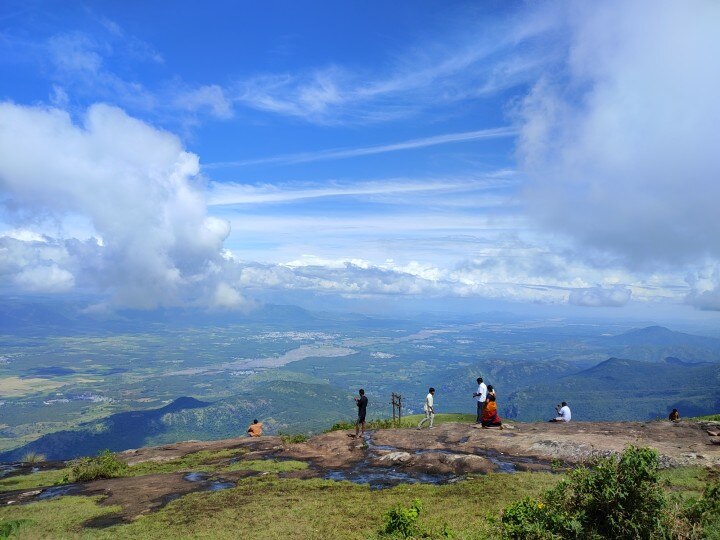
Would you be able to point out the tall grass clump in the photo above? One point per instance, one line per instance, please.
(33, 457)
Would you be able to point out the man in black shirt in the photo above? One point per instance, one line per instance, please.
(362, 402)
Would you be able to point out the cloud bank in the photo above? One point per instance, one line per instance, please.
(620, 141)
(153, 244)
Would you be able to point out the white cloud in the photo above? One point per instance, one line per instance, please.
(209, 98)
(135, 185)
(424, 142)
(705, 288)
(621, 142)
(47, 279)
(600, 297)
(230, 193)
(471, 60)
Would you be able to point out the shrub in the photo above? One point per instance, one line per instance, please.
(402, 522)
(104, 465)
(703, 515)
(616, 497)
(33, 457)
(294, 439)
(8, 527)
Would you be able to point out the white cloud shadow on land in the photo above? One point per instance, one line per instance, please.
(135, 184)
(621, 141)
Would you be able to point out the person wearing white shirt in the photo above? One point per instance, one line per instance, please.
(563, 412)
(429, 408)
(480, 396)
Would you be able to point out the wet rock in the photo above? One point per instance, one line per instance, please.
(395, 457)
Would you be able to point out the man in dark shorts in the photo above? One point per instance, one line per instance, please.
(361, 402)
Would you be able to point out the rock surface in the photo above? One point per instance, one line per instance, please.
(447, 451)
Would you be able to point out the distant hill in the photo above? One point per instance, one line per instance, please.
(621, 389)
(284, 406)
(655, 343)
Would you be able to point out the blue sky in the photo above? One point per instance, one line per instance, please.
(483, 154)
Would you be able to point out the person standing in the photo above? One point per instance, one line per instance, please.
(361, 403)
(480, 396)
(429, 408)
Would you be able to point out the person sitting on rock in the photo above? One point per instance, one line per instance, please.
(255, 429)
(674, 416)
(563, 412)
(490, 417)
(429, 408)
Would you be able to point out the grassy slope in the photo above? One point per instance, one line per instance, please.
(269, 507)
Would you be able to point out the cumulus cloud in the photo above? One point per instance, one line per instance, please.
(705, 286)
(50, 279)
(133, 182)
(620, 140)
(600, 297)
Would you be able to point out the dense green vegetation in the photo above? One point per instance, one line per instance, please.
(618, 497)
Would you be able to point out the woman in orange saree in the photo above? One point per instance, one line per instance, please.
(490, 417)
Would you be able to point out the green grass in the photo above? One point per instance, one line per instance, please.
(408, 421)
(58, 518)
(266, 465)
(203, 461)
(272, 507)
(34, 480)
(269, 507)
(687, 481)
(442, 418)
(711, 417)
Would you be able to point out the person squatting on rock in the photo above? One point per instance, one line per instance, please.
(563, 412)
(480, 396)
(429, 408)
(255, 429)
(362, 403)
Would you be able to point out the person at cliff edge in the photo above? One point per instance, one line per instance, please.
(362, 403)
(563, 413)
(480, 396)
(255, 429)
(429, 409)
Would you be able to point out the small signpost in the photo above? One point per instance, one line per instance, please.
(396, 402)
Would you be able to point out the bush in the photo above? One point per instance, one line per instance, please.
(402, 522)
(294, 439)
(104, 465)
(33, 457)
(618, 498)
(703, 515)
(8, 527)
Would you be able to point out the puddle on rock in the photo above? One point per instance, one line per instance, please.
(59, 491)
(376, 477)
(385, 477)
(7, 469)
(196, 477)
(203, 479)
(219, 485)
